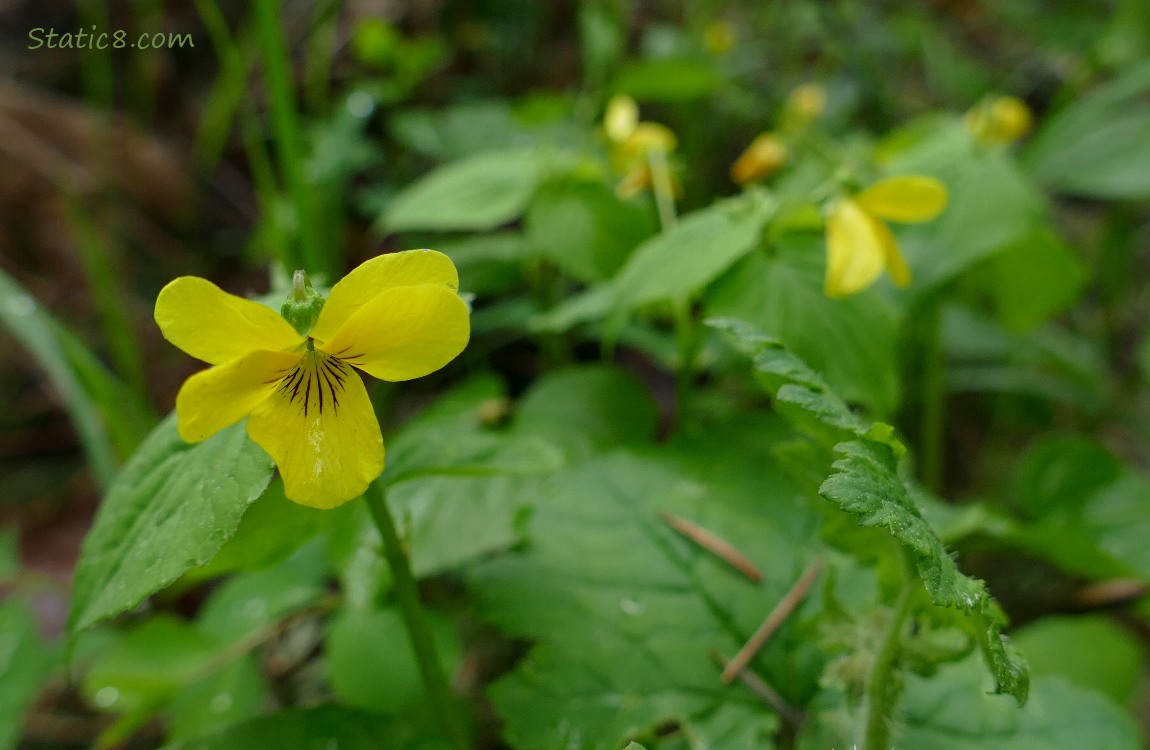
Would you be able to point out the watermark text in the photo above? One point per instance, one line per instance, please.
(49, 38)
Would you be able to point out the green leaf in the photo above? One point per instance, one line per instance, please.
(851, 341)
(478, 193)
(252, 602)
(1034, 279)
(701, 246)
(667, 80)
(149, 664)
(588, 408)
(488, 264)
(309, 729)
(458, 132)
(233, 694)
(585, 229)
(1097, 146)
(170, 509)
(370, 662)
(625, 611)
(25, 662)
(867, 485)
(1091, 651)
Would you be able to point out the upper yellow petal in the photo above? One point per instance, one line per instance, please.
(855, 253)
(214, 326)
(223, 395)
(408, 268)
(405, 332)
(907, 199)
(320, 429)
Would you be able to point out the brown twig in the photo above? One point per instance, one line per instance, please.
(714, 544)
(776, 618)
(764, 692)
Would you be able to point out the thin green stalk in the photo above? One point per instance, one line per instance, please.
(267, 194)
(407, 592)
(686, 336)
(884, 684)
(289, 141)
(933, 427)
(663, 187)
(96, 74)
(227, 93)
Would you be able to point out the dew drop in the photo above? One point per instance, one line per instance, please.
(106, 697)
(220, 702)
(631, 606)
(360, 104)
(255, 608)
(21, 305)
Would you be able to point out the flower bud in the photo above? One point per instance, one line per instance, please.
(766, 154)
(303, 304)
(999, 120)
(804, 105)
(621, 117)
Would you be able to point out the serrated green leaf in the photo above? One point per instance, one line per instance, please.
(24, 664)
(625, 610)
(867, 484)
(701, 246)
(308, 729)
(851, 341)
(170, 509)
(478, 193)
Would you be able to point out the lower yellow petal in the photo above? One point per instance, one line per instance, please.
(223, 395)
(855, 253)
(895, 265)
(408, 268)
(404, 333)
(906, 199)
(319, 427)
(214, 326)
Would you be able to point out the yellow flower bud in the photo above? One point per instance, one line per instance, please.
(719, 37)
(999, 120)
(766, 154)
(804, 105)
(621, 117)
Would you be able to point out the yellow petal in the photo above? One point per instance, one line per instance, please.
(404, 333)
(621, 117)
(896, 267)
(373, 276)
(855, 253)
(223, 395)
(214, 326)
(906, 199)
(320, 429)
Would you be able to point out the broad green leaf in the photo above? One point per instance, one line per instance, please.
(24, 664)
(488, 264)
(478, 193)
(1097, 146)
(851, 341)
(170, 509)
(1034, 279)
(1091, 651)
(370, 662)
(271, 529)
(458, 132)
(312, 728)
(587, 408)
(625, 611)
(231, 695)
(585, 229)
(149, 664)
(669, 80)
(682, 260)
(867, 485)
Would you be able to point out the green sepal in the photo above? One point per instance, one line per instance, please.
(303, 304)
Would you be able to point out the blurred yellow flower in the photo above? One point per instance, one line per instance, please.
(860, 245)
(719, 37)
(632, 143)
(766, 154)
(396, 317)
(804, 105)
(999, 120)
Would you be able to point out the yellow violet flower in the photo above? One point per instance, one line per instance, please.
(999, 120)
(719, 37)
(804, 105)
(396, 317)
(621, 117)
(859, 244)
(766, 154)
(632, 142)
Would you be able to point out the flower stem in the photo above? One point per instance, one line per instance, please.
(883, 684)
(932, 429)
(407, 592)
(663, 187)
